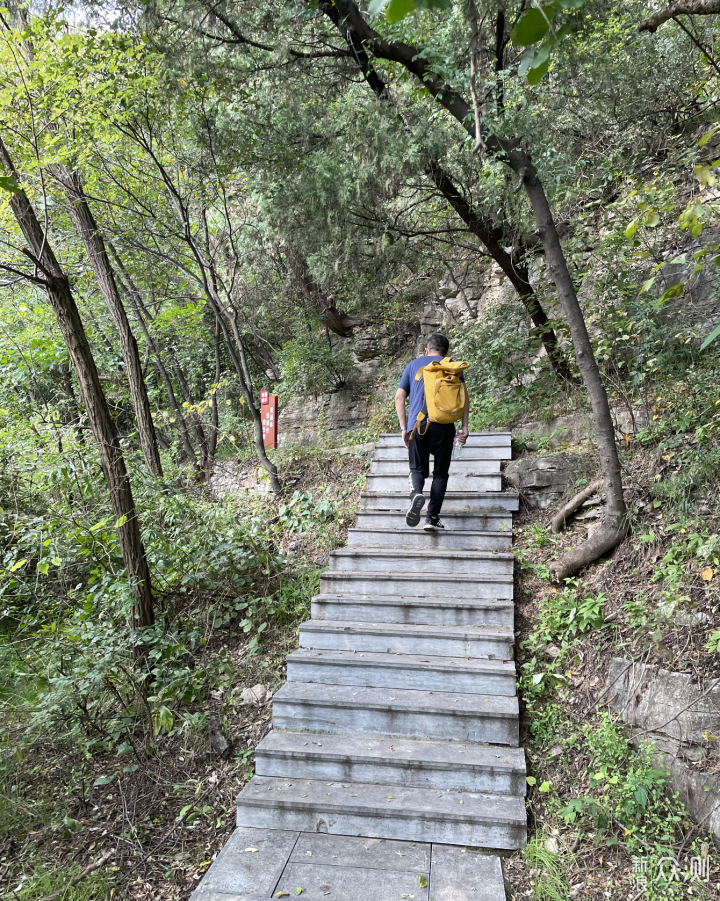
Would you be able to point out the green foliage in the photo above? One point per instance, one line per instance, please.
(629, 800)
(567, 613)
(311, 366)
(301, 512)
(550, 883)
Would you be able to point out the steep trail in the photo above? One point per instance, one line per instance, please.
(394, 753)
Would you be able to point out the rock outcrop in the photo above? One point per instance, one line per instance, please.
(680, 718)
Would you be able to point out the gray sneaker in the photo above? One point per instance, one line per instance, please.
(412, 517)
(433, 525)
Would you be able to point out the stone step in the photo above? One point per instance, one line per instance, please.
(409, 671)
(449, 716)
(469, 452)
(473, 502)
(419, 763)
(420, 561)
(493, 642)
(405, 538)
(475, 439)
(458, 467)
(346, 868)
(454, 522)
(384, 811)
(441, 586)
(457, 482)
(416, 611)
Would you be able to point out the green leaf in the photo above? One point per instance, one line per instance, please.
(652, 218)
(527, 61)
(545, 787)
(9, 184)
(710, 338)
(531, 780)
(43, 567)
(17, 565)
(535, 76)
(645, 287)
(298, 890)
(423, 881)
(672, 292)
(105, 779)
(707, 137)
(56, 561)
(121, 522)
(398, 9)
(631, 229)
(533, 26)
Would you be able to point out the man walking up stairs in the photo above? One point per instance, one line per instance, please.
(394, 759)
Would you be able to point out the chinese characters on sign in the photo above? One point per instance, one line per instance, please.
(268, 416)
(667, 870)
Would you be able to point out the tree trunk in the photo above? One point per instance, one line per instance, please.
(339, 323)
(212, 443)
(87, 228)
(135, 299)
(680, 8)
(482, 227)
(57, 287)
(614, 525)
(514, 268)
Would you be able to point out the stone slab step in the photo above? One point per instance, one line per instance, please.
(382, 811)
(460, 466)
(360, 560)
(410, 671)
(406, 538)
(449, 716)
(456, 482)
(458, 766)
(475, 439)
(492, 642)
(440, 586)
(346, 868)
(469, 452)
(427, 610)
(474, 502)
(394, 520)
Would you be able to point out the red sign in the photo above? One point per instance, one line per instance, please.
(268, 415)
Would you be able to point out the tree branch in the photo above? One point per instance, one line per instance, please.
(681, 7)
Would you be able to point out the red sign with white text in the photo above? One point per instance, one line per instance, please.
(268, 415)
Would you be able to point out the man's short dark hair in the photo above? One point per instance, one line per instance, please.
(438, 343)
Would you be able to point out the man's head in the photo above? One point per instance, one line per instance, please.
(437, 344)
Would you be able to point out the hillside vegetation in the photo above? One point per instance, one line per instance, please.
(201, 200)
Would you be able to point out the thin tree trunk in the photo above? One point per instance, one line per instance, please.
(614, 525)
(139, 310)
(212, 442)
(90, 234)
(57, 287)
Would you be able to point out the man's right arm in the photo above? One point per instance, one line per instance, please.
(400, 398)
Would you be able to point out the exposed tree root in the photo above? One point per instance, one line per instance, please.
(610, 534)
(558, 521)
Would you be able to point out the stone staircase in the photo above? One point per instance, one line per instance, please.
(397, 728)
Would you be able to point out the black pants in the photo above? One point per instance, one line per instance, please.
(438, 441)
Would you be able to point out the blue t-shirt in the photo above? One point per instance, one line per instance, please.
(416, 390)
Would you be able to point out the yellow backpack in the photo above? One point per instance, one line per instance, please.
(444, 392)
